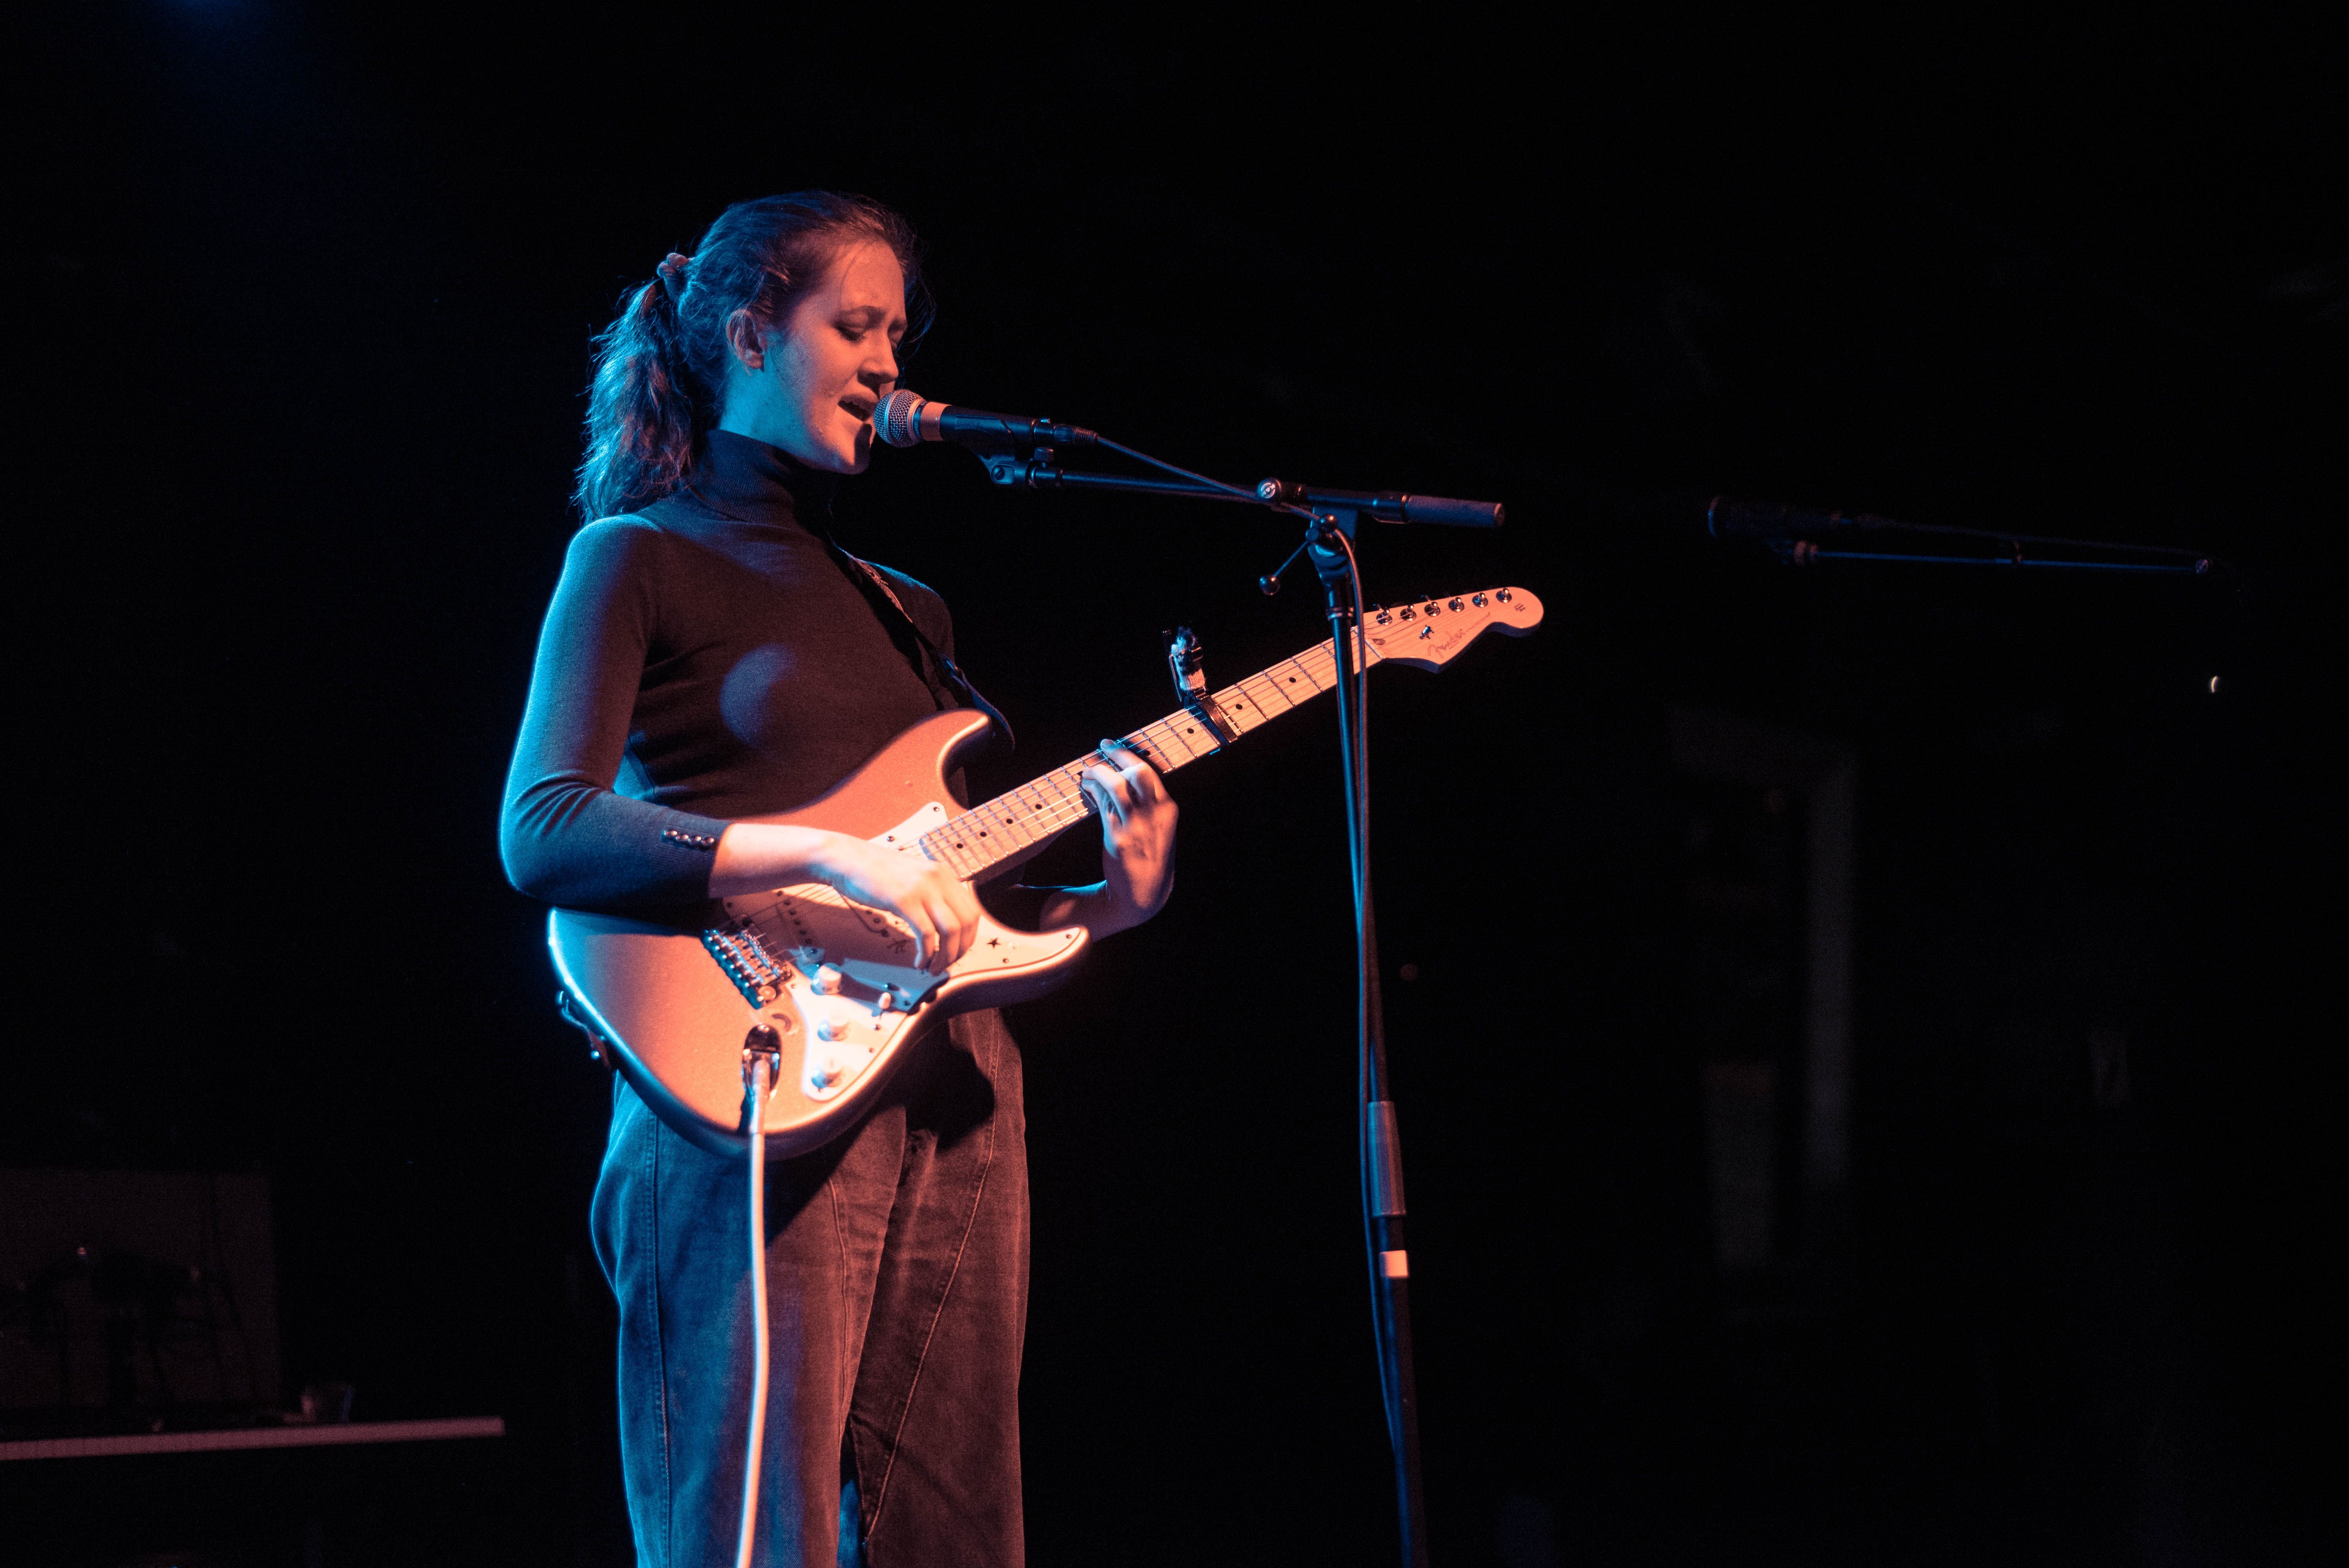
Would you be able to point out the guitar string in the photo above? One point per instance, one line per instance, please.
(1065, 803)
(1055, 801)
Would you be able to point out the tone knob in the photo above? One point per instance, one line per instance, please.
(827, 981)
(831, 1028)
(825, 1074)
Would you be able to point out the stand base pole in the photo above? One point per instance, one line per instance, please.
(1393, 1288)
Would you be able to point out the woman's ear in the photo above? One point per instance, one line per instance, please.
(749, 342)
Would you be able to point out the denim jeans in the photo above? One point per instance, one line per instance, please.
(896, 1268)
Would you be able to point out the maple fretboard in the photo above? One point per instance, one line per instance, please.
(1019, 819)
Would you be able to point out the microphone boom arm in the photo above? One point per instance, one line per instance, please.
(1038, 472)
(1792, 533)
(905, 418)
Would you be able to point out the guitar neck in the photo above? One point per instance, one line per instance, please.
(1019, 819)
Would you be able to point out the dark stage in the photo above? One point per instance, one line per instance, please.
(1868, 1087)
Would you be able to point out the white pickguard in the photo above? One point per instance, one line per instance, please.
(851, 968)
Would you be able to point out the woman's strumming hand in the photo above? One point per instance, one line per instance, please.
(1137, 820)
(939, 906)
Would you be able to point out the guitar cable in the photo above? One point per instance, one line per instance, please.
(757, 1067)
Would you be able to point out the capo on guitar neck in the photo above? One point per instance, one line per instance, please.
(1184, 658)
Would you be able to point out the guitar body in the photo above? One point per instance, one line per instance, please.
(833, 980)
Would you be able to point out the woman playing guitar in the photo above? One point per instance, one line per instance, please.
(711, 655)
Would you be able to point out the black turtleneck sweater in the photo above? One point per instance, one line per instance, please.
(705, 658)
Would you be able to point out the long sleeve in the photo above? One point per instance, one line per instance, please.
(565, 835)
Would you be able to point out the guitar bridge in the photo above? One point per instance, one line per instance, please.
(755, 972)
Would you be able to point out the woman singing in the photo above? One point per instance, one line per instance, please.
(710, 654)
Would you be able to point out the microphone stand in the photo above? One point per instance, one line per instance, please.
(1379, 1146)
(1331, 517)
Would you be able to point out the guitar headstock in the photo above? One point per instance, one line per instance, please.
(1428, 632)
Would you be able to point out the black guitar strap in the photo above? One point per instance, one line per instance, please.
(868, 576)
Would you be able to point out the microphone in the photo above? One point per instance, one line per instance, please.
(906, 418)
(1387, 506)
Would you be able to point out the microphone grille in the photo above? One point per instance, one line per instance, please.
(898, 419)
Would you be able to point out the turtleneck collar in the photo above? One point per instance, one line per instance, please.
(751, 482)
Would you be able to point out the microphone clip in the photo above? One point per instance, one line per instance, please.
(1035, 471)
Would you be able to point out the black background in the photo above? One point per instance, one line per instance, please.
(302, 301)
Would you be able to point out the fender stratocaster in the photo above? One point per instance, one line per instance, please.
(830, 983)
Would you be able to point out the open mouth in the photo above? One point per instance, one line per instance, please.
(861, 407)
